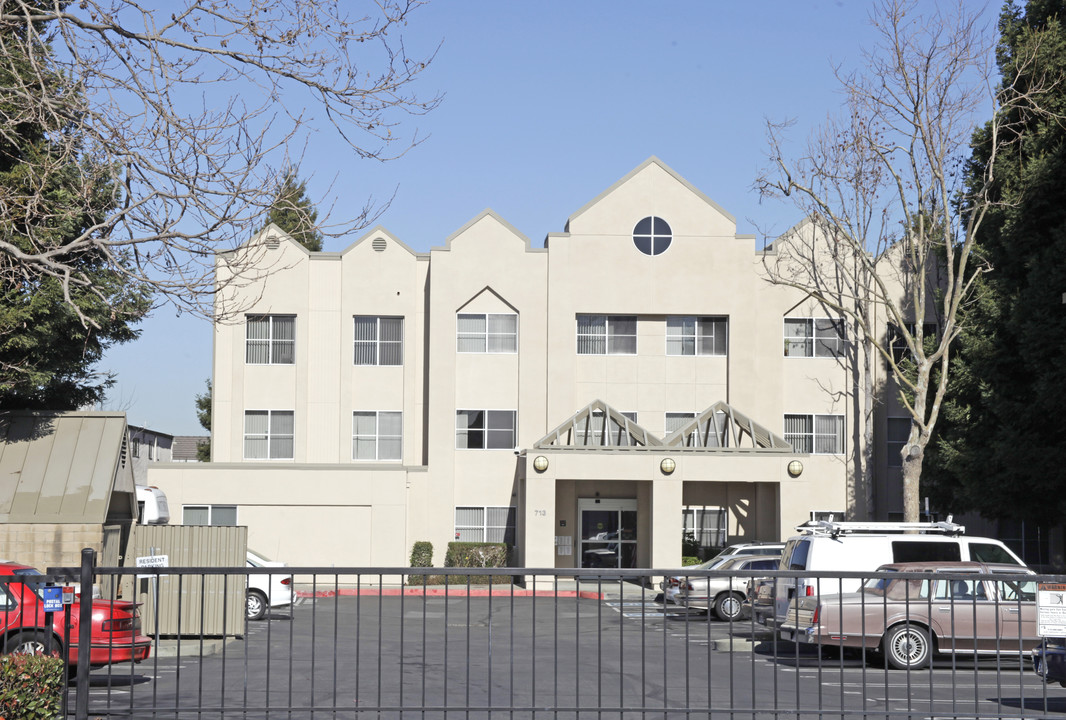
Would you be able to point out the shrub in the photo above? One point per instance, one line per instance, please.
(689, 560)
(422, 554)
(31, 686)
(476, 555)
(690, 546)
(421, 557)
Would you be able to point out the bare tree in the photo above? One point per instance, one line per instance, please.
(895, 207)
(189, 111)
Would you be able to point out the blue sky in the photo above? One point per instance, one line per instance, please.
(546, 104)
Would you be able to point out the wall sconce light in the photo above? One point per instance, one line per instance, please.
(795, 468)
(540, 463)
(667, 466)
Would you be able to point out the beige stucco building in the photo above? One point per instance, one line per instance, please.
(371, 398)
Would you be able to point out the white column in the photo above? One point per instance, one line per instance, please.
(666, 524)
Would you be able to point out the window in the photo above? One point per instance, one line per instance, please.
(377, 436)
(209, 515)
(485, 429)
(616, 432)
(696, 335)
(378, 340)
(606, 334)
(485, 524)
(652, 236)
(271, 340)
(268, 434)
(815, 434)
(896, 434)
(1013, 591)
(898, 345)
(707, 524)
(678, 420)
(136, 448)
(814, 337)
(487, 333)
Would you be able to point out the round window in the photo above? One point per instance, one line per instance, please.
(652, 236)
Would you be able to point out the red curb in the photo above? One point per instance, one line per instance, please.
(448, 592)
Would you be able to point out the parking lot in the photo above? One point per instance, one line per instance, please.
(621, 656)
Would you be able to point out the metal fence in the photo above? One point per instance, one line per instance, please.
(585, 644)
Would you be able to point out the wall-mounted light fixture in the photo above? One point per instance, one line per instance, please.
(540, 463)
(795, 468)
(667, 466)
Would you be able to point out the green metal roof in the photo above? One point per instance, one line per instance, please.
(64, 468)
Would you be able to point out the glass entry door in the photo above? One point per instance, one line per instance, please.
(608, 533)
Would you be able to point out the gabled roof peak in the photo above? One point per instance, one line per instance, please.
(721, 426)
(653, 160)
(598, 425)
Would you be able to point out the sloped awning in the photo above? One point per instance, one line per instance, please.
(598, 425)
(65, 468)
(722, 427)
(719, 428)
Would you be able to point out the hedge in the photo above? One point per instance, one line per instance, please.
(421, 557)
(31, 687)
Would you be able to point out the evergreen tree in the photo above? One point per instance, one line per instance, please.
(1001, 449)
(293, 212)
(49, 342)
(203, 414)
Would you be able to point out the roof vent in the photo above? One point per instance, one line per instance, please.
(379, 244)
(273, 242)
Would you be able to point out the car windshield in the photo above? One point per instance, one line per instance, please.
(257, 559)
(32, 585)
(711, 564)
(877, 585)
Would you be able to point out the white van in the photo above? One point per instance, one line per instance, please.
(152, 508)
(828, 547)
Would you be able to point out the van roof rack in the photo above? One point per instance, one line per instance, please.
(834, 528)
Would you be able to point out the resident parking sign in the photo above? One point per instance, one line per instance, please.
(53, 599)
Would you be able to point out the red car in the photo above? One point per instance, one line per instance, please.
(116, 625)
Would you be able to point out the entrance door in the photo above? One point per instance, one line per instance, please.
(608, 533)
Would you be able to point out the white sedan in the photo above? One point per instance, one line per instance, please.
(723, 592)
(266, 590)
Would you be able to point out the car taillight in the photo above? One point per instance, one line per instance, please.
(118, 625)
(286, 581)
(810, 590)
(817, 612)
(688, 586)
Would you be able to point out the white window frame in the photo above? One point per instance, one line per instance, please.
(693, 519)
(271, 434)
(376, 343)
(275, 346)
(894, 447)
(211, 512)
(487, 428)
(377, 435)
(809, 437)
(816, 339)
(614, 342)
(686, 336)
(505, 341)
(482, 529)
